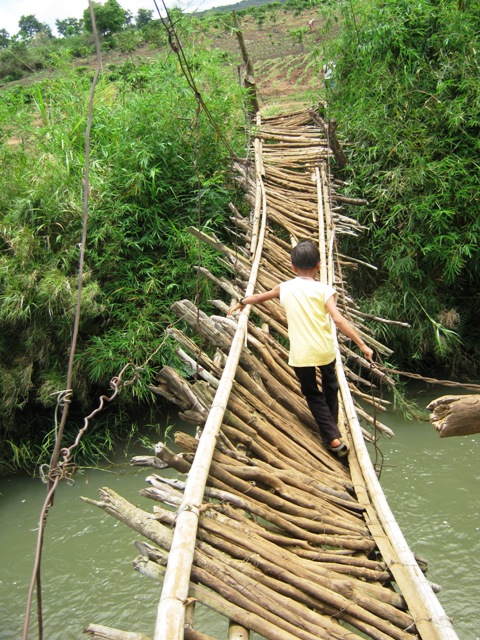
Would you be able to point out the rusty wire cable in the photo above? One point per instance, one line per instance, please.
(417, 376)
(55, 471)
(176, 46)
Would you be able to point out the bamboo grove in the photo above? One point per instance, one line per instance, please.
(144, 191)
(407, 96)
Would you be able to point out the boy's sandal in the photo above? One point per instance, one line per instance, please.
(341, 451)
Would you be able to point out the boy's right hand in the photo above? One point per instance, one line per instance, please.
(235, 307)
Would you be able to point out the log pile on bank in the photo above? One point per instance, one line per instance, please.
(287, 543)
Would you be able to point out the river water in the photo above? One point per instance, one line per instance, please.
(432, 486)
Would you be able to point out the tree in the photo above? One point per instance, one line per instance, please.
(69, 27)
(29, 26)
(144, 16)
(4, 38)
(109, 17)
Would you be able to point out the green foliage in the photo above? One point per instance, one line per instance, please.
(4, 38)
(127, 41)
(144, 17)
(29, 26)
(69, 27)
(407, 94)
(147, 138)
(299, 6)
(109, 17)
(20, 58)
(298, 35)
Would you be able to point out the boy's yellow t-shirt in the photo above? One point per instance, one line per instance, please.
(309, 330)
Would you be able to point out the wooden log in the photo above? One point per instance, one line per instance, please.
(179, 389)
(192, 634)
(455, 415)
(379, 426)
(222, 605)
(302, 447)
(198, 354)
(304, 528)
(238, 581)
(328, 518)
(237, 632)
(197, 370)
(289, 438)
(264, 450)
(325, 587)
(274, 437)
(101, 632)
(140, 521)
(125, 512)
(148, 461)
(347, 200)
(288, 508)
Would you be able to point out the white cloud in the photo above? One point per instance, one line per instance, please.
(51, 10)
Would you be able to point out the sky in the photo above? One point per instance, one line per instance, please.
(49, 10)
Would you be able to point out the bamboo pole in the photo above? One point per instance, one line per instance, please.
(237, 632)
(260, 190)
(429, 615)
(171, 608)
(430, 618)
(101, 632)
(321, 227)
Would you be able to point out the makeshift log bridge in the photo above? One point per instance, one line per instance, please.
(268, 528)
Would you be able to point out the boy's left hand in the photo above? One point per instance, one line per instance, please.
(367, 352)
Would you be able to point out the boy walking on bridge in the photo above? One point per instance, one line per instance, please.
(308, 303)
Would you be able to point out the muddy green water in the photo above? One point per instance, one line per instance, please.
(432, 486)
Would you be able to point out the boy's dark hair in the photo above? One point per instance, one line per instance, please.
(305, 255)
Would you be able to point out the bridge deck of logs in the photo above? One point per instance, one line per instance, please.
(261, 523)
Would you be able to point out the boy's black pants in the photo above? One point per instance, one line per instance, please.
(323, 403)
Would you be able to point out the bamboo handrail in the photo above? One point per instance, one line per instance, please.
(321, 227)
(171, 607)
(430, 617)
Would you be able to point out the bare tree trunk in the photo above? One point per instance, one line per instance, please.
(249, 79)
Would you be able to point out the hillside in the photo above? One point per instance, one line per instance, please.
(285, 57)
(284, 50)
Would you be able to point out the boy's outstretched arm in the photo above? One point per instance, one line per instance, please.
(256, 298)
(346, 328)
